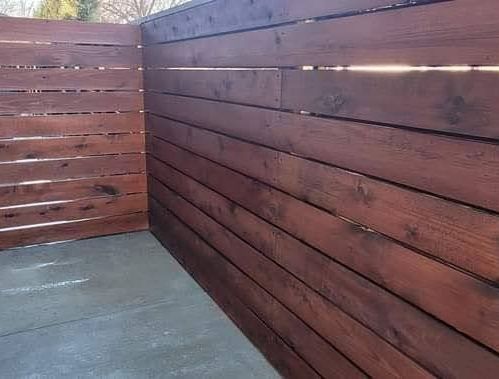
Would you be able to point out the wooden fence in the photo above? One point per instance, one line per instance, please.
(72, 147)
(346, 219)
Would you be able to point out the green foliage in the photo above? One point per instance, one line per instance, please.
(57, 9)
(86, 10)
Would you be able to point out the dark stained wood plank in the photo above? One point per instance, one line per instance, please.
(471, 305)
(73, 230)
(148, 141)
(14, 54)
(437, 164)
(42, 43)
(376, 357)
(74, 210)
(70, 102)
(62, 169)
(68, 147)
(453, 102)
(67, 79)
(461, 235)
(223, 16)
(258, 87)
(20, 194)
(181, 242)
(310, 346)
(71, 125)
(442, 241)
(361, 299)
(37, 30)
(448, 33)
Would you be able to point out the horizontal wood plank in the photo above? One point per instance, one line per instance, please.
(455, 102)
(364, 348)
(358, 297)
(291, 174)
(74, 210)
(224, 16)
(415, 277)
(181, 242)
(241, 86)
(69, 79)
(106, 186)
(37, 30)
(21, 54)
(447, 33)
(71, 125)
(68, 147)
(74, 230)
(437, 164)
(315, 350)
(50, 67)
(70, 102)
(452, 102)
(62, 169)
(364, 194)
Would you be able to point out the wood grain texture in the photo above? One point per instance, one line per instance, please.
(242, 86)
(180, 241)
(74, 210)
(322, 356)
(69, 79)
(437, 163)
(470, 305)
(88, 155)
(461, 235)
(61, 169)
(64, 190)
(14, 54)
(70, 125)
(448, 33)
(367, 350)
(71, 102)
(37, 30)
(350, 198)
(358, 297)
(74, 230)
(224, 16)
(69, 147)
(455, 102)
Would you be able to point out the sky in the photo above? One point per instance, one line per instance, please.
(17, 6)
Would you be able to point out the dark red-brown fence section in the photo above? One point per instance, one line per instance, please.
(347, 221)
(71, 133)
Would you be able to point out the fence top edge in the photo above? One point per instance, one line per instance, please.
(168, 12)
(53, 21)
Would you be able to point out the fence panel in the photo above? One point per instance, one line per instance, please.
(72, 161)
(362, 199)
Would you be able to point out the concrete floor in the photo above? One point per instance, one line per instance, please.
(114, 307)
